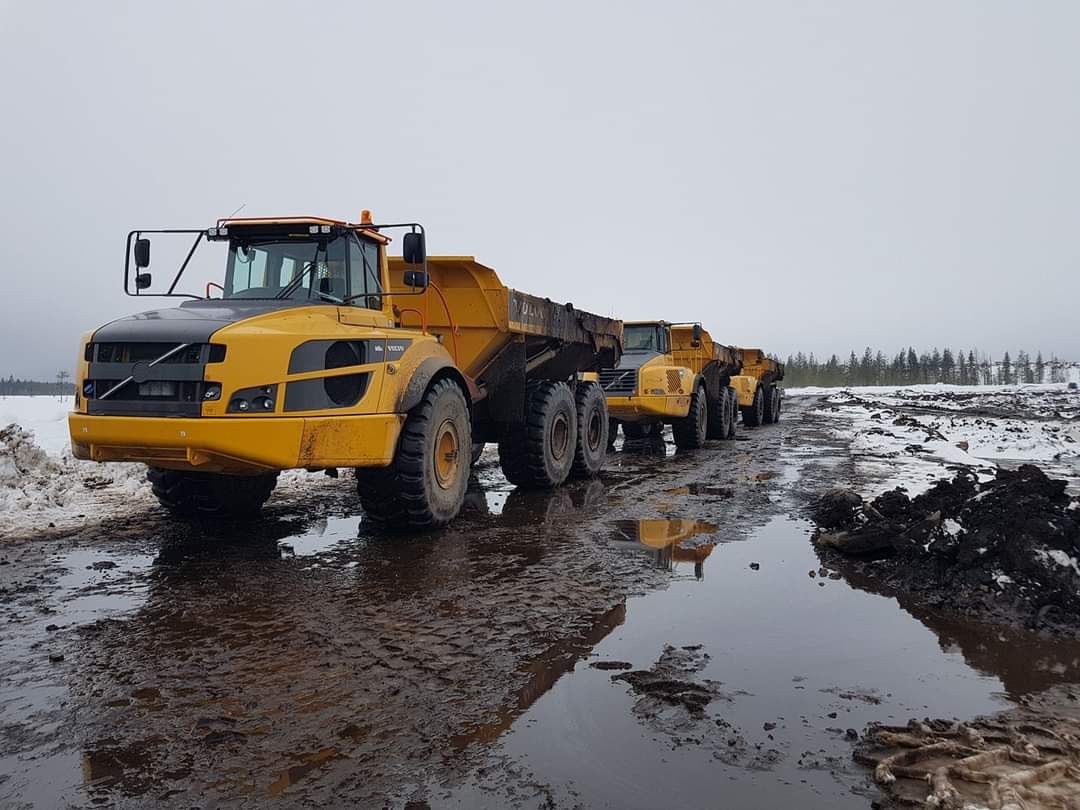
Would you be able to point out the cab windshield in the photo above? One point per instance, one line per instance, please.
(644, 338)
(342, 269)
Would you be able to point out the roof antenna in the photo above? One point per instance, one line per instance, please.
(237, 211)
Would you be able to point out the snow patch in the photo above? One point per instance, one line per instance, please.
(1059, 557)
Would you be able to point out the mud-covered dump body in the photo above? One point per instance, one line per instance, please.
(501, 337)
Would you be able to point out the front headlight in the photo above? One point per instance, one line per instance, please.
(262, 399)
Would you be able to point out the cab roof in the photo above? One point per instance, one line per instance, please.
(306, 222)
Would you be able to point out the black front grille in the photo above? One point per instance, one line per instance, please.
(618, 382)
(138, 352)
(137, 379)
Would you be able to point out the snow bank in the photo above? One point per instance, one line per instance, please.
(44, 417)
(903, 436)
(42, 485)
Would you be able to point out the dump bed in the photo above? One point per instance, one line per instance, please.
(683, 348)
(487, 326)
(758, 364)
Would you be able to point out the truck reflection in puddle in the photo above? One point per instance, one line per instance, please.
(670, 540)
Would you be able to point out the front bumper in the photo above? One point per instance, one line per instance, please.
(239, 444)
(745, 387)
(632, 409)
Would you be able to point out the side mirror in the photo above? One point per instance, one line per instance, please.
(415, 278)
(142, 253)
(696, 334)
(412, 248)
(142, 281)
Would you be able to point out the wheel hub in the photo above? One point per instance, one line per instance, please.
(595, 428)
(560, 435)
(447, 458)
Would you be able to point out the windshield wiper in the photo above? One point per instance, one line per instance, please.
(291, 287)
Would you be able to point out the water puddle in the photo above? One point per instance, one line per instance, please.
(786, 662)
(323, 535)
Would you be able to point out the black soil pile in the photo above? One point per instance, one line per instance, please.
(1004, 550)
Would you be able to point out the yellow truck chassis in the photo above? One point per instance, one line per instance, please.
(325, 352)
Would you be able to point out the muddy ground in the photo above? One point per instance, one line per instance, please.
(663, 636)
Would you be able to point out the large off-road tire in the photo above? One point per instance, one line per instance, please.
(635, 431)
(214, 495)
(771, 410)
(690, 431)
(592, 426)
(719, 416)
(612, 431)
(733, 403)
(753, 415)
(425, 485)
(778, 404)
(540, 453)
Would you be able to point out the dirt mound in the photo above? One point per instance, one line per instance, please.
(674, 702)
(671, 682)
(1011, 544)
(1028, 757)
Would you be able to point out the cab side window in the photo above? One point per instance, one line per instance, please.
(365, 286)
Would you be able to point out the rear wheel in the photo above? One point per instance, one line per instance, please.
(193, 494)
(753, 415)
(612, 431)
(592, 427)
(540, 453)
(719, 416)
(733, 404)
(771, 410)
(691, 430)
(424, 487)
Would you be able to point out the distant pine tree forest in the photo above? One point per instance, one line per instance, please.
(911, 368)
(12, 387)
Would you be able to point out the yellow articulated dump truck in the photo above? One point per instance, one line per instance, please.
(672, 373)
(758, 390)
(320, 351)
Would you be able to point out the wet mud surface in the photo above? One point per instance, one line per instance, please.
(661, 637)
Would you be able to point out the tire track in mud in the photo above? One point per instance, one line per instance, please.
(344, 669)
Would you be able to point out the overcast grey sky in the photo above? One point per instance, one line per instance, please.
(815, 176)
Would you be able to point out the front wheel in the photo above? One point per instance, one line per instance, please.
(195, 494)
(634, 431)
(424, 487)
(754, 415)
(691, 430)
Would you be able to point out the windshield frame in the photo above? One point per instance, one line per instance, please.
(660, 332)
(213, 235)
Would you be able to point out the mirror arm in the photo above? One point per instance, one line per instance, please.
(183, 267)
